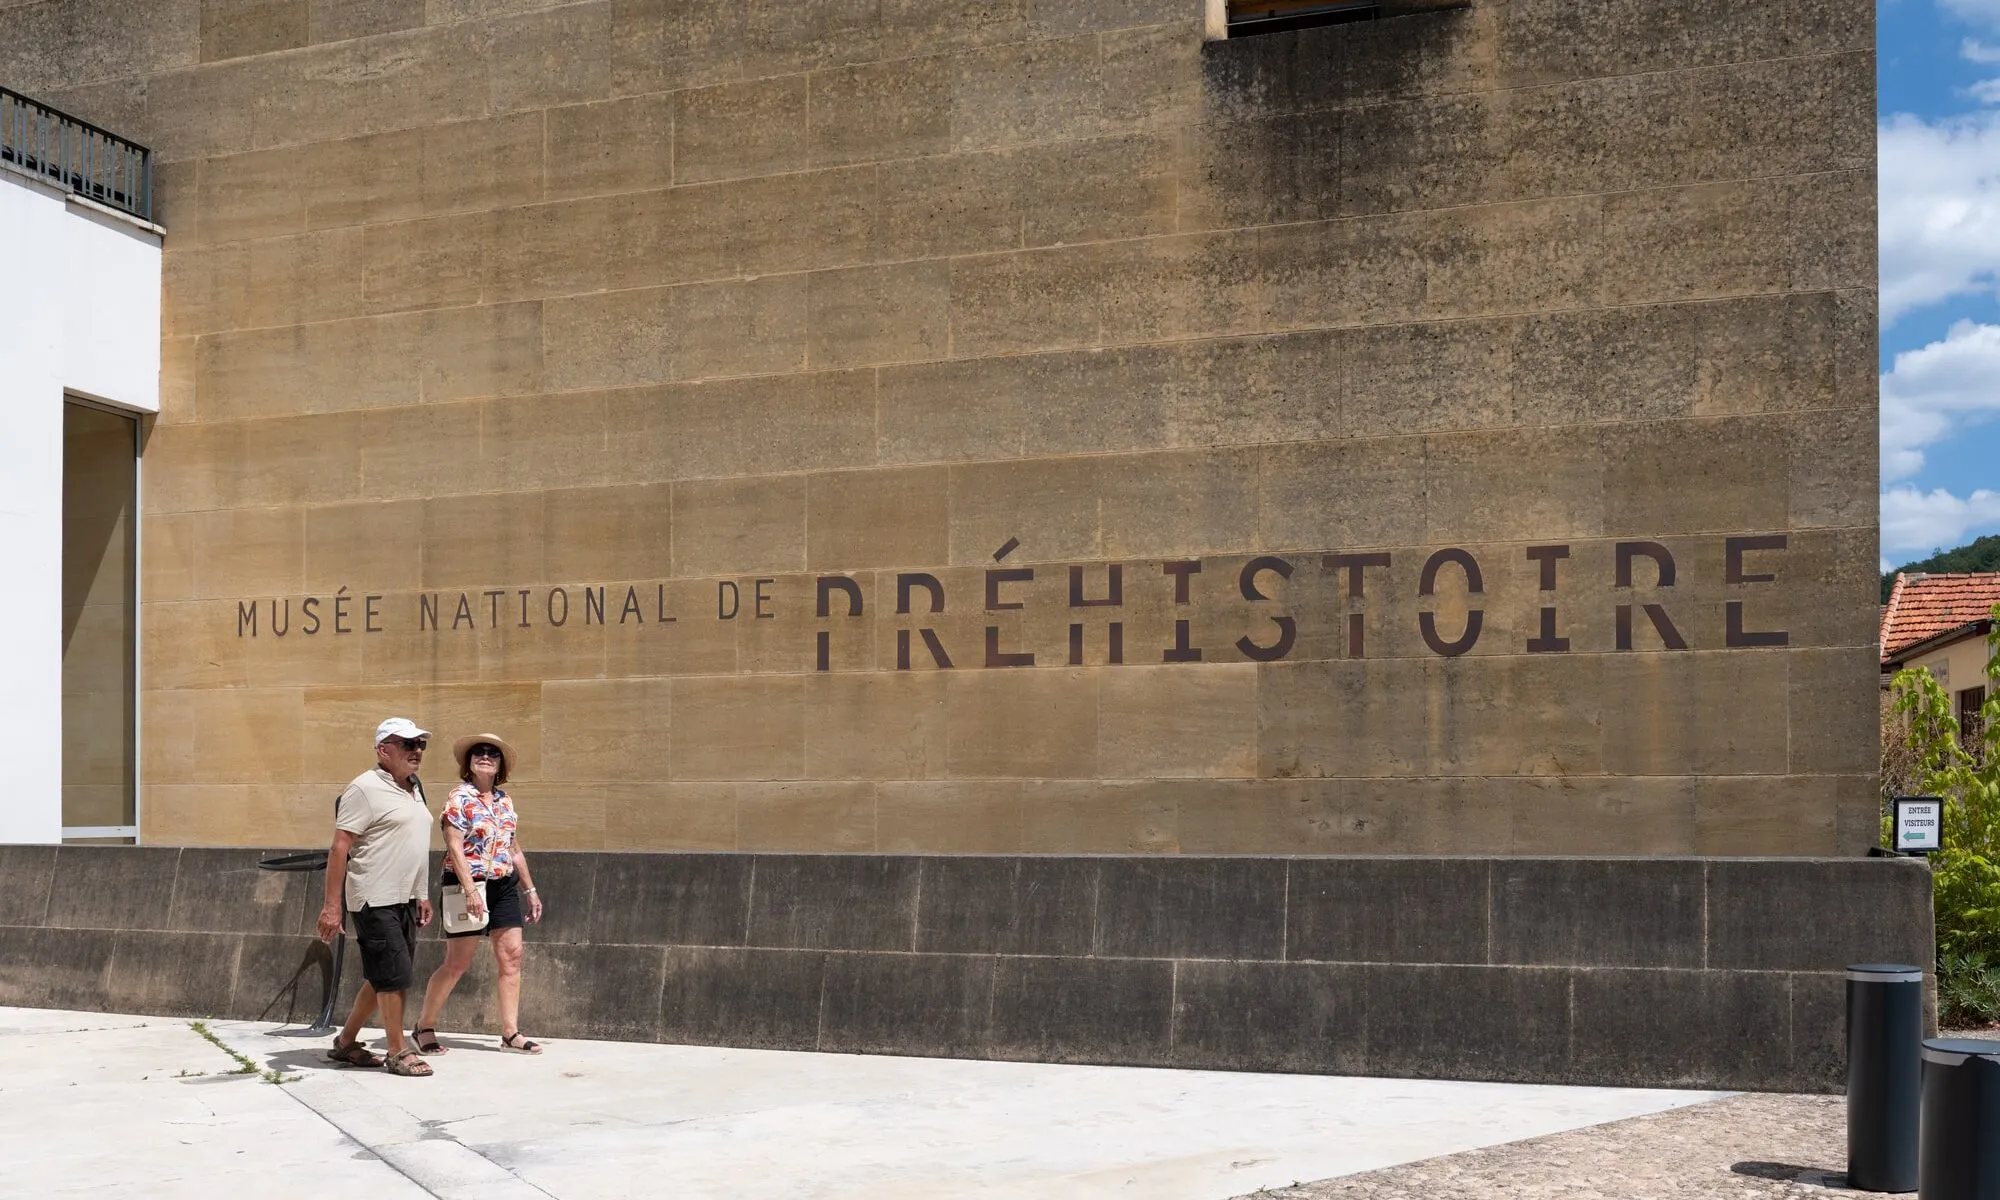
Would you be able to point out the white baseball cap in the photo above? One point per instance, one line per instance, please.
(401, 727)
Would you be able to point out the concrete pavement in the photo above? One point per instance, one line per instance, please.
(144, 1105)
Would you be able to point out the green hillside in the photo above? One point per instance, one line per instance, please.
(1980, 555)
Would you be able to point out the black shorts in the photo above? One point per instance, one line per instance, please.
(503, 905)
(387, 936)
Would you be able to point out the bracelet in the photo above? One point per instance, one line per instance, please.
(528, 891)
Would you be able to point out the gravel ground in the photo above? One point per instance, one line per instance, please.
(1757, 1144)
(1748, 1145)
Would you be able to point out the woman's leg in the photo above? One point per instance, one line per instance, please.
(507, 957)
(458, 954)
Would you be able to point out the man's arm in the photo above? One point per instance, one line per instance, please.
(336, 885)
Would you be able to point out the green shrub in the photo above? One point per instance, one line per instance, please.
(1965, 874)
(1968, 991)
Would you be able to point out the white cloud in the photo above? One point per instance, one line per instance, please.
(1977, 51)
(1985, 12)
(1915, 523)
(1940, 208)
(1934, 392)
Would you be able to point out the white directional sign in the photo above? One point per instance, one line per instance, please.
(1919, 824)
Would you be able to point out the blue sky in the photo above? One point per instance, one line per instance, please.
(1939, 133)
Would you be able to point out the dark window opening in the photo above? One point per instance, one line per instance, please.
(1277, 16)
(1971, 729)
(100, 511)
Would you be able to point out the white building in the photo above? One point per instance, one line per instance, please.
(80, 337)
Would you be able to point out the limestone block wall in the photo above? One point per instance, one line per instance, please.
(1012, 427)
(1690, 973)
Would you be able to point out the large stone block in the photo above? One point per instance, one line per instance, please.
(1178, 720)
(864, 316)
(739, 526)
(1010, 905)
(757, 999)
(735, 728)
(677, 816)
(608, 533)
(959, 817)
(1598, 913)
(899, 109)
(757, 127)
(1405, 910)
(566, 882)
(672, 899)
(112, 887)
(695, 331)
(610, 992)
(26, 874)
(1008, 724)
(51, 48)
(1819, 1030)
(1266, 1016)
(1267, 817)
(281, 978)
(1187, 908)
(249, 552)
(806, 816)
(1090, 816)
(834, 902)
(1497, 1023)
(621, 145)
(1082, 1010)
(56, 968)
(1682, 1028)
(926, 1004)
(1822, 915)
(1764, 815)
(607, 729)
(225, 891)
(1548, 40)
(172, 974)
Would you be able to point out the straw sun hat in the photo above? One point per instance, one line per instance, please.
(461, 748)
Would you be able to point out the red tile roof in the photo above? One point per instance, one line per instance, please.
(1923, 606)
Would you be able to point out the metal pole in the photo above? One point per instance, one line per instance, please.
(1885, 1027)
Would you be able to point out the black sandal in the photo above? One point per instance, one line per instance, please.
(427, 1041)
(519, 1044)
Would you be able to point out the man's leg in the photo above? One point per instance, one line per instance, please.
(392, 1019)
(364, 1008)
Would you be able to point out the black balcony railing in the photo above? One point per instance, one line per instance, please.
(75, 155)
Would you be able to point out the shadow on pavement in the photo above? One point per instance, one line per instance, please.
(1792, 1173)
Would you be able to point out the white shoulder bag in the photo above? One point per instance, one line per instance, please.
(456, 918)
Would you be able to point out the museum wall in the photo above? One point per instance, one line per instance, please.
(1016, 427)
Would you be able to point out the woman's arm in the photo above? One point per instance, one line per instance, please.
(528, 891)
(454, 852)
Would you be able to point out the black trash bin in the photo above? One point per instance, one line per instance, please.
(1885, 1028)
(1960, 1158)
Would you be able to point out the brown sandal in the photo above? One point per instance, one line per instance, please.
(408, 1062)
(353, 1054)
(427, 1041)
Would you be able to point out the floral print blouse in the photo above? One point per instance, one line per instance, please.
(488, 825)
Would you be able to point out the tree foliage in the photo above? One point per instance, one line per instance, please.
(1965, 874)
(1982, 554)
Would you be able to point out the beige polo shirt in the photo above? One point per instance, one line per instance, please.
(392, 841)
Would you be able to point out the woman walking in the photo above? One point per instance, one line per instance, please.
(481, 847)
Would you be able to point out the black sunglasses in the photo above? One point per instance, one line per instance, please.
(483, 750)
(418, 744)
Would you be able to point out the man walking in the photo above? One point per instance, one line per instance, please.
(377, 870)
